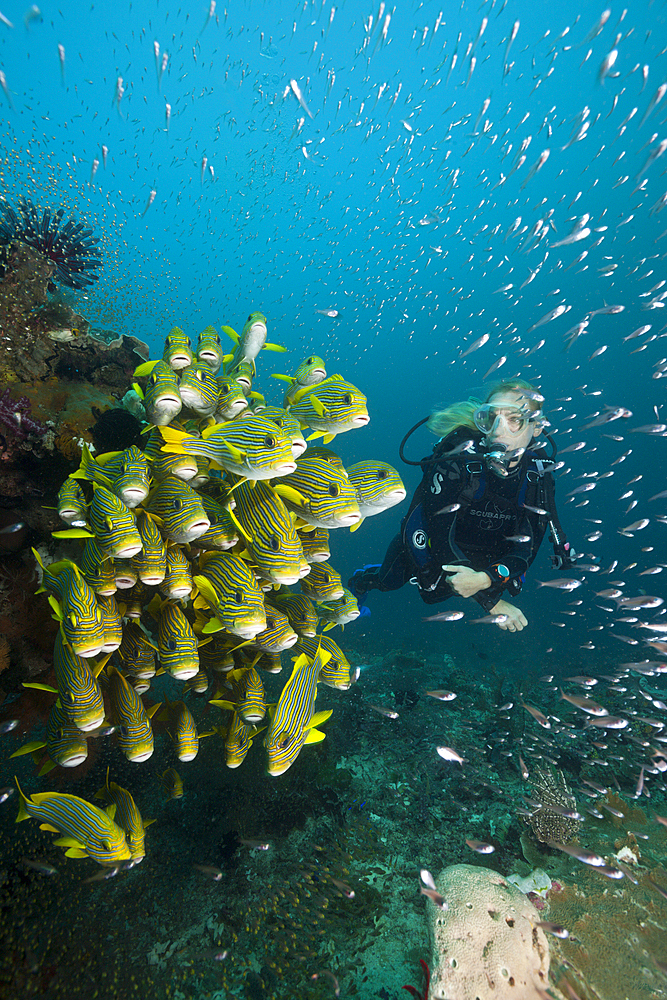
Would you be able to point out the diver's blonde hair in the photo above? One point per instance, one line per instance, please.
(443, 422)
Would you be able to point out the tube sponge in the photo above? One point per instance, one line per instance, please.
(486, 945)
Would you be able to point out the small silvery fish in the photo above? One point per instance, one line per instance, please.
(450, 755)
(480, 847)
(446, 616)
(388, 713)
(7, 726)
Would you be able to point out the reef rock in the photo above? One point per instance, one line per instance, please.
(486, 945)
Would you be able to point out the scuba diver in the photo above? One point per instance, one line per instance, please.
(478, 517)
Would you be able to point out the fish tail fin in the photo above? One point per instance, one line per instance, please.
(23, 812)
(173, 440)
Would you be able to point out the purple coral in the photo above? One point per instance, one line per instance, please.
(15, 415)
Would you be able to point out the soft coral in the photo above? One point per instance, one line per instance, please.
(427, 976)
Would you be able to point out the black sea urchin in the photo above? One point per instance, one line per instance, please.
(71, 248)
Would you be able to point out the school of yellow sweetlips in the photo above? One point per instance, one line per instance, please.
(203, 532)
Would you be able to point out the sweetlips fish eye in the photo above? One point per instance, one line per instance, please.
(310, 361)
(347, 398)
(333, 490)
(153, 378)
(187, 341)
(238, 597)
(382, 474)
(122, 730)
(327, 578)
(249, 318)
(177, 504)
(269, 442)
(275, 543)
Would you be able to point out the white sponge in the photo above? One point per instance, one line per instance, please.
(486, 945)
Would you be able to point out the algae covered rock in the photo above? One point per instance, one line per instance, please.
(486, 945)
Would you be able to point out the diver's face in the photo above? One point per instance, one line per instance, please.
(511, 429)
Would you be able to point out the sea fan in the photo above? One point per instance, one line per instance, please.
(71, 248)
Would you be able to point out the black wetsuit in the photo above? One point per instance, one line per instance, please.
(485, 531)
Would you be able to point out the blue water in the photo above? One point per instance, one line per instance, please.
(385, 203)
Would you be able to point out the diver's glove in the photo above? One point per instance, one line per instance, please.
(364, 579)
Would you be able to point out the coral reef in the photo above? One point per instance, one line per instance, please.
(70, 249)
(550, 788)
(487, 943)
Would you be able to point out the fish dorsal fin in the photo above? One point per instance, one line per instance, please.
(150, 712)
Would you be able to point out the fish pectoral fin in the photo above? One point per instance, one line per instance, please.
(355, 527)
(110, 810)
(40, 687)
(329, 626)
(46, 768)
(278, 348)
(76, 852)
(149, 822)
(314, 736)
(223, 704)
(150, 712)
(231, 333)
(55, 607)
(72, 533)
(285, 378)
(320, 717)
(214, 625)
(328, 438)
(205, 590)
(289, 493)
(49, 827)
(318, 405)
(317, 434)
(28, 748)
(139, 391)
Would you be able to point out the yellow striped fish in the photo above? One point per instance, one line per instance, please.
(112, 622)
(182, 516)
(238, 740)
(270, 536)
(243, 374)
(183, 729)
(88, 831)
(293, 720)
(251, 341)
(151, 563)
(172, 784)
(127, 817)
(231, 400)
(65, 744)
(135, 599)
(339, 612)
(209, 348)
(113, 524)
(132, 720)
(125, 576)
(228, 587)
(77, 686)
(223, 533)
(249, 446)
(160, 397)
(300, 611)
(278, 634)
(78, 609)
(215, 652)
(71, 504)
(319, 494)
(177, 584)
(288, 424)
(162, 465)
(323, 583)
(177, 349)
(310, 372)
(177, 643)
(331, 407)
(128, 473)
(377, 487)
(98, 569)
(336, 671)
(199, 389)
(315, 544)
(137, 652)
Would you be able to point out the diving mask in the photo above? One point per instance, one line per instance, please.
(514, 419)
